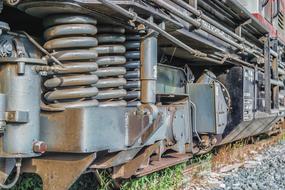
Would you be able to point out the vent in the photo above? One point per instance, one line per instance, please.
(281, 20)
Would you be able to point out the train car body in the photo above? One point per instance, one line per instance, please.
(134, 86)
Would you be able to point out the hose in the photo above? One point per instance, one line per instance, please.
(194, 119)
(13, 183)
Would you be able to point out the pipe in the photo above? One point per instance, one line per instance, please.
(193, 106)
(199, 25)
(135, 17)
(15, 180)
(200, 14)
(171, 38)
(215, 13)
(156, 28)
(148, 69)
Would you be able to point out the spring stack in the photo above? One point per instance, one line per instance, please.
(82, 47)
(133, 69)
(111, 62)
(71, 39)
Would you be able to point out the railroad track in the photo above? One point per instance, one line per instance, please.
(204, 172)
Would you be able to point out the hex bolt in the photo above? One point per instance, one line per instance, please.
(39, 147)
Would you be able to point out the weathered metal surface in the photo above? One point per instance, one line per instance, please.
(166, 161)
(101, 77)
(67, 36)
(22, 90)
(171, 80)
(129, 169)
(90, 129)
(114, 159)
(59, 171)
(138, 122)
(111, 92)
(84, 130)
(247, 129)
(6, 167)
(43, 8)
(210, 103)
(148, 132)
(149, 68)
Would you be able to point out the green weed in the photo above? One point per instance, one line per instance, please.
(167, 179)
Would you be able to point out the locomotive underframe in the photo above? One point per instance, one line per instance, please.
(163, 129)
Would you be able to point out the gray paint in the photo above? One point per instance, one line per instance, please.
(94, 129)
(211, 107)
(23, 94)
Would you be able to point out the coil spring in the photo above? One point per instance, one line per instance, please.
(133, 69)
(70, 38)
(93, 59)
(111, 63)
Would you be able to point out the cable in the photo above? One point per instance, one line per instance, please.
(13, 183)
(229, 103)
(42, 49)
(194, 118)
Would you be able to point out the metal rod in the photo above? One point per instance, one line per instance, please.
(152, 26)
(194, 109)
(200, 14)
(156, 28)
(199, 25)
(42, 49)
(215, 13)
(16, 178)
(194, 52)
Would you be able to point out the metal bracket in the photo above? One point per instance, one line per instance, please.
(17, 116)
(23, 59)
(238, 29)
(130, 168)
(59, 171)
(115, 159)
(152, 129)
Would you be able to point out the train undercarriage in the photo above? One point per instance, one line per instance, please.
(134, 86)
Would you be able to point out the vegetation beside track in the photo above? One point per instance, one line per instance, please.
(170, 178)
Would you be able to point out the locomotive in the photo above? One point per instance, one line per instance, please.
(134, 86)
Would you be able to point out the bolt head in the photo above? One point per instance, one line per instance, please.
(40, 147)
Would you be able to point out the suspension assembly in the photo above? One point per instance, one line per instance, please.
(70, 39)
(93, 58)
(111, 63)
(133, 69)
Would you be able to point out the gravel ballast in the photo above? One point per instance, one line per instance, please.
(265, 172)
